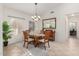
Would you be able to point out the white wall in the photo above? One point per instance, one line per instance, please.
(1, 39)
(60, 14)
(78, 29)
(24, 23)
(62, 29)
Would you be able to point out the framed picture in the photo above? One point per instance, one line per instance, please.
(49, 23)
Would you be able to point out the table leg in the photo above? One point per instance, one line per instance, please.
(36, 41)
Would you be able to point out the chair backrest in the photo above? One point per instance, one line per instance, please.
(47, 34)
(26, 35)
(52, 33)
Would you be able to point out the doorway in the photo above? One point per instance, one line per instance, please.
(73, 25)
(73, 29)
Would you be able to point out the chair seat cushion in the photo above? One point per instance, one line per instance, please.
(42, 40)
(30, 39)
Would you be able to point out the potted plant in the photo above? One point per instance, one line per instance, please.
(6, 32)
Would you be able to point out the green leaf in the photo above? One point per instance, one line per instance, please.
(6, 31)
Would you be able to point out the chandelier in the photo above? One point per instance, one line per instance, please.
(36, 17)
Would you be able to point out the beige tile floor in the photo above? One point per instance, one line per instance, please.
(68, 48)
(15, 50)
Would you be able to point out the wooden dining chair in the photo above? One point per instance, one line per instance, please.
(46, 38)
(26, 38)
(52, 35)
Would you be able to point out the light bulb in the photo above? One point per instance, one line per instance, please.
(35, 16)
(38, 16)
(32, 17)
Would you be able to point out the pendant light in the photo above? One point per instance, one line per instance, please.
(36, 17)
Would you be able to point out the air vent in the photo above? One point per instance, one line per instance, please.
(52, 12)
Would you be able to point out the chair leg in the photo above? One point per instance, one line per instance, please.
(24, 44)
(27, 45)
(48, 45)
(38, 43)
(35, 44)
(44, 46)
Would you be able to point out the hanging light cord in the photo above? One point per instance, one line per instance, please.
(35, 9)
(36, 17)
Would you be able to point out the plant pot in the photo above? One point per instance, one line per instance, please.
(5, 43)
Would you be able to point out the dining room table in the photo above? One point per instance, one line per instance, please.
(36, 36)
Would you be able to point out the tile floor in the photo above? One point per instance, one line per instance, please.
(68, 48)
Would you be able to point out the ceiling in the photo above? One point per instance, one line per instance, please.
(73, 15)
(29, 7)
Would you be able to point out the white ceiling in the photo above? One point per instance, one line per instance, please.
(29, 7)
(73, 15)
